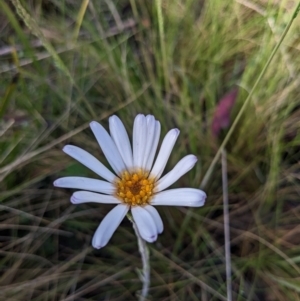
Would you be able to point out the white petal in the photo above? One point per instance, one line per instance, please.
(109, 225)
(150, 121)
(153, 148)
(156, 217)
(108, 147)
(120, 137)
(180, 197)
(144, 223)
(80, 197)
(89, 161)
(139, 140)
(182, 167)
(164, 153)
(86, 184)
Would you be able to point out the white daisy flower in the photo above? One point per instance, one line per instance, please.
(137, 184)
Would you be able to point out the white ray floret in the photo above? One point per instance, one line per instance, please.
(108, 147)
(150, 122)
(181, 168)
(139, 140)
(156, 217)
(79, 197)
(164, 153)
(89, 161)
(85, 184)
(153, 146)
(109, 225)
(145, 223)
(180, 197)
(137, 184)
(120, 137)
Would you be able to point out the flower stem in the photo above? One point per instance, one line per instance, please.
(226, 226)
(144, 251)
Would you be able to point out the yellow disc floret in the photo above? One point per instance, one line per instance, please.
(134, 189)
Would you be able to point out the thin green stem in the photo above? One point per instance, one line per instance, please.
(226, 226)
(160, 20)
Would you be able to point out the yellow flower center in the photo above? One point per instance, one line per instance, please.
(134, 189)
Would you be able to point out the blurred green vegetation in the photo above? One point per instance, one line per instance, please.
(65, 63)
